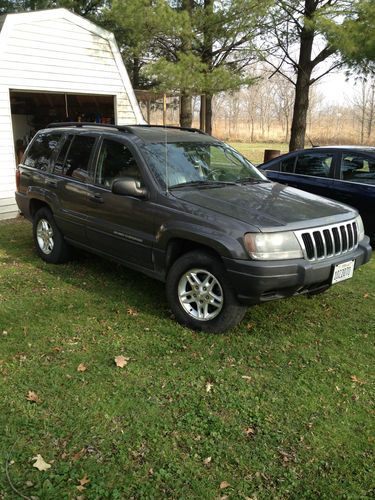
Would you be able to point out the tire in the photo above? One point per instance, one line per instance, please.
(212, 308)
(48, 239)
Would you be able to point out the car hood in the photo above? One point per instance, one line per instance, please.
(268, 206)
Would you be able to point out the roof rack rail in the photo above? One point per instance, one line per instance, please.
(187, 129)
(121, 128)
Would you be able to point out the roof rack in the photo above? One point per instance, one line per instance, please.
(187, 129)
(121, 128)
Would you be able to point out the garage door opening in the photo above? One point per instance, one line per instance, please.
(32, 111)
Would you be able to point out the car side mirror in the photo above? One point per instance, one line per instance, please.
(127, 186)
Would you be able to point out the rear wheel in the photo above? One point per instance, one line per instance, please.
(199, 294)
(48, 239)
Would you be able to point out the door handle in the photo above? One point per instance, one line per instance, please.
(96, 197)
(51, 183)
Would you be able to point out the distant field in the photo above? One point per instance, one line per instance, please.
(255, 151)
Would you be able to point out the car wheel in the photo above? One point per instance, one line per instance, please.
(48, 239)
(199, 294)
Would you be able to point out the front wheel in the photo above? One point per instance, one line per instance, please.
(199, 294)
(48, 239)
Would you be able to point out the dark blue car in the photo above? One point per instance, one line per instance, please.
(343, 173)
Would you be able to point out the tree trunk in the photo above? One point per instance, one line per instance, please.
(371, 112)
(186, 110)
(207, 58)
(305, 67)
(135, 73)
(208, 117)
(301, 106)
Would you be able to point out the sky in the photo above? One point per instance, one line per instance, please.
(336, 89)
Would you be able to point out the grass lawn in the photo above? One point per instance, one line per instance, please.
(282, 407)
(255, 151)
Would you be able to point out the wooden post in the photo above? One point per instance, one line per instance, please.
(164, 109)
(270, 154)
(148, 104)
(203, 112)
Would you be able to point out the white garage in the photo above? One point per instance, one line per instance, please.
(55, 66)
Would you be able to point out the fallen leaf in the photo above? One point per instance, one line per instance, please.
(84, 480)
(246, 377)
(40, 464)
(78, 455)
(366, 296)
(132, 312)
(81, 367)
(224, 484)
(357, 380)
(208, 387)
(33, 397)
(207, 460)
(29, 484)
(121, 361)
(250, 326)
(80, 488)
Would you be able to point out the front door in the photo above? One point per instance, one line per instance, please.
(119, 226)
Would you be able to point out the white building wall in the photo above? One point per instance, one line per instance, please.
(57, 51)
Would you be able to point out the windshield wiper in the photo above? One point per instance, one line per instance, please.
(202, 183)
(251, 179)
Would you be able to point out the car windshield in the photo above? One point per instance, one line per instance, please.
(199, 164)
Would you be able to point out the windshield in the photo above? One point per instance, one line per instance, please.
(198, 163)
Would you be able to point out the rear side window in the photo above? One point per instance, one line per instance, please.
(357, 168)
(78, 156)
(60, 160)
(40, 152)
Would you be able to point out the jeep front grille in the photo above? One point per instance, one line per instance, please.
(328, 241)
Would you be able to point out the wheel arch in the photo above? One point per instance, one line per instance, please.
(178, 246)
(36, 204)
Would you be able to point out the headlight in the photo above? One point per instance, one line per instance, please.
(273, 246)
(360, 228)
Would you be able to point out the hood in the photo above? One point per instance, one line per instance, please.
(268, 206)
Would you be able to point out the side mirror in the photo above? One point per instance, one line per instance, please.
(127, 186)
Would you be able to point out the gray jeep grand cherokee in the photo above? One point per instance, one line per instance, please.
(187, 209)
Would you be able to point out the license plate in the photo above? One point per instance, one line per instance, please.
(343, 271)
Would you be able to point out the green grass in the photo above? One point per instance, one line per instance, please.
(144, 431)
(255, 151)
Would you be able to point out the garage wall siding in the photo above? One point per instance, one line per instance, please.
(7, 156)
(59, 56)
(56, 51)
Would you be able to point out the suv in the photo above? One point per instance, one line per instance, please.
(187, 209)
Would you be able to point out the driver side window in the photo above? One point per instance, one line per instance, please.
(115, 160)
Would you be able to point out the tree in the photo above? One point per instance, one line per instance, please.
(81, 7)
(355, 37)
(207, 49)
(301, 44)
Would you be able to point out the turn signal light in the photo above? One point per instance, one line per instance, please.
(18, 179)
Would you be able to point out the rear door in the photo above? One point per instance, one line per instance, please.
(119, 226)
(70, 180)
(354, 184)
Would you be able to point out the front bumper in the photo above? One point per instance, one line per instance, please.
(260, 281)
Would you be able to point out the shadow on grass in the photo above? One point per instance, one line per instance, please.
(104, 279)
